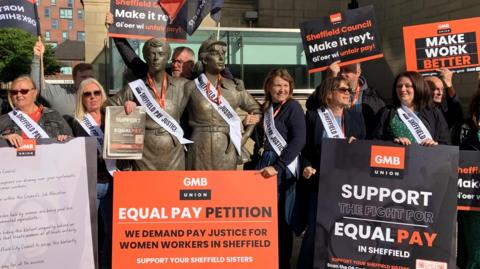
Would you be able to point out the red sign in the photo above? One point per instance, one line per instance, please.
(171, 7)
(194, 219)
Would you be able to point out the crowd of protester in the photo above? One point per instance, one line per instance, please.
(343, 106)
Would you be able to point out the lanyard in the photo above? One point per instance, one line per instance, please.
(278, 109)
(35, 116)
(161, 98)
(219, 93)
(357, 93)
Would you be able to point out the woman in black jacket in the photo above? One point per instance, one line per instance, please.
(284, 121)
(89, 123)
(29, 120)
(327, 117)
(413, 117)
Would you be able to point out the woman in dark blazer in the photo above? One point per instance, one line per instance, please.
(284, 118)
(412, 94)
(329, 109)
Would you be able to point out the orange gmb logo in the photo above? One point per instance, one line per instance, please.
(335, 18)
(28, 148)
(387, 161)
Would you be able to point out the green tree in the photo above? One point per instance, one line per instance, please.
(16, 52)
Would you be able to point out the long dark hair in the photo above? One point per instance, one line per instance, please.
(277, 72)
(422, 98)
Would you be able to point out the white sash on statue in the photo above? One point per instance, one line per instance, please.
(153, 109)
(224, 109)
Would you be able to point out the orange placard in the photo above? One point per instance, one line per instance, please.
(194, 219)
(451, 44)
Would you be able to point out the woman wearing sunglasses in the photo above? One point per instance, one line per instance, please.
(413, 118)
(327, 117)
(29, 120)
(89, 122)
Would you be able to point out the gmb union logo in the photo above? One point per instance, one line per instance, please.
(387, 161)
(196, 193)
(336, 18)
(28, 148)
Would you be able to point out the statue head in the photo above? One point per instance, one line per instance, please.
(156, 53)
(211, 56)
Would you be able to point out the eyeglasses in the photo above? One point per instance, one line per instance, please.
(343, 90)
(90, 94)
(181, 62)
(22, 91)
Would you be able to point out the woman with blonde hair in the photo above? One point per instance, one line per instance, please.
(89, 123)
(29, 120)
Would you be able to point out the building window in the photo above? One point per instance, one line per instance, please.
(47, 35)
(80, 14)
(66, 70)
(52, 44)
(38, 3)
(53, 2)
(66, 13)
(47, 12)
(54, 24)
(70, 3)
(70, 25)
(81, 36)
(64, 35)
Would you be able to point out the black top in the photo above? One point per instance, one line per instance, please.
(431, 118)
(290, 123)
(452, 110)
(138, 67)
(466, 136)
(103, 176)
(372, 103)
(353, 126)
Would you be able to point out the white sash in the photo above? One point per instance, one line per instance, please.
(414, 124)
(28, 126)
(160, 116)
(90, 126)
(276, 139)
(330, 125)
(224, 109)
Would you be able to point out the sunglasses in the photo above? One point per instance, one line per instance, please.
(94, 93)
(343, 90)
(22, 91)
